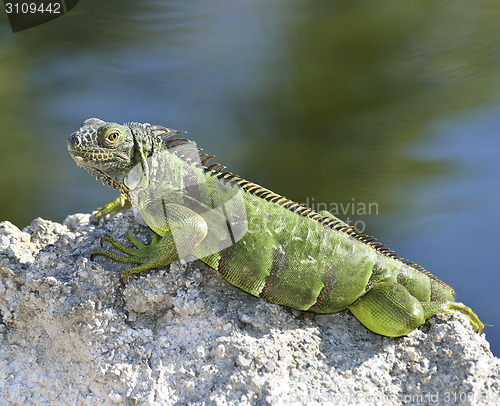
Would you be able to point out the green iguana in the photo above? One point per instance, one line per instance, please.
(259, 241)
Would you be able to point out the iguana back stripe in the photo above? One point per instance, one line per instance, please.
(324, 294)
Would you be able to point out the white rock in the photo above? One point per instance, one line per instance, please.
(72, 334)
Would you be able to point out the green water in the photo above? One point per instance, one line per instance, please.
(384, 112)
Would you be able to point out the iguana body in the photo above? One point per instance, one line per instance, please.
(283, 252)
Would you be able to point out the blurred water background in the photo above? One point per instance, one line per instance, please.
(386, 113)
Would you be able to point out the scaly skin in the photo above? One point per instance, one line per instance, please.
(278, 250)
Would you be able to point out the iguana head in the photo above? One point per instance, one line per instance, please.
(111, 150)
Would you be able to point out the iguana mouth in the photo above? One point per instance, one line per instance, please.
(81, 156)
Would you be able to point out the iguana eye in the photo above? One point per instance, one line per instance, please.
(111, 135)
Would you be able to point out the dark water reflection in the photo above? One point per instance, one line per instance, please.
(327, 102)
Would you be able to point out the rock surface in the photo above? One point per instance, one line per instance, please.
(71, 333)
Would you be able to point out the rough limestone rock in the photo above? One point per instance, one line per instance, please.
(71, 333)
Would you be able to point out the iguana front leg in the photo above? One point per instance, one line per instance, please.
(389, 309)
(182, 230)
(116, 206)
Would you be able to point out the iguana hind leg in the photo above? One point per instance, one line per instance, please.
(389, 309)
(432, 308)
